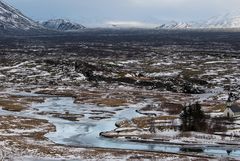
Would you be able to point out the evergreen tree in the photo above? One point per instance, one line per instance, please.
(193, 118)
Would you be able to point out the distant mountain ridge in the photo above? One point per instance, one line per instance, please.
(229, 20)
(12, 19)
(226, 21)
(62, 25)
(175, 25)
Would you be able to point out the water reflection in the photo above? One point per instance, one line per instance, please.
(191, 150)
(229, 151)
(151, 147)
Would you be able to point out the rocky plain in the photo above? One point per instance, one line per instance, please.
(117, 95)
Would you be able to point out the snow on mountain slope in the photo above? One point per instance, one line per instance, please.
(11, 18)
(62, 25)
(229, 20)
(226, 21)
(175, 25)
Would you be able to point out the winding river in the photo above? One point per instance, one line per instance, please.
(85, 132)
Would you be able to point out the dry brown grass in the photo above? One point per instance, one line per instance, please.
(11, 123)
(37, 135)
(111, 102)
(123, 123)
(18, 103)
(219, 108)
(63, 93)
(34, 99)
(166, 117)
(172, 108)
(66, 115)
(14, 106)
(19, 122)
(144, 122)
(87, 96)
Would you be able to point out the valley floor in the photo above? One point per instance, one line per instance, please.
(60, 97)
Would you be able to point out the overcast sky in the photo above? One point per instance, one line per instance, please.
(134, 11)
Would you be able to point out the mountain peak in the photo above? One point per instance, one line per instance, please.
(11, 18)
(228, 20)
(62, 25)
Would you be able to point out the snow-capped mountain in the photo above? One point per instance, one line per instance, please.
(226, 21)
(175, 25)
(62, 25)
(11, 18)
(229, 20)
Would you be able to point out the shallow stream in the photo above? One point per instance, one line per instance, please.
(85, 132)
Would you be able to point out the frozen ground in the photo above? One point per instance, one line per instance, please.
(75, 87)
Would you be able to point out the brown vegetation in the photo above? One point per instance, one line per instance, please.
(111, 102)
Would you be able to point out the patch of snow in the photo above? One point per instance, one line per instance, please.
(164, 74)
